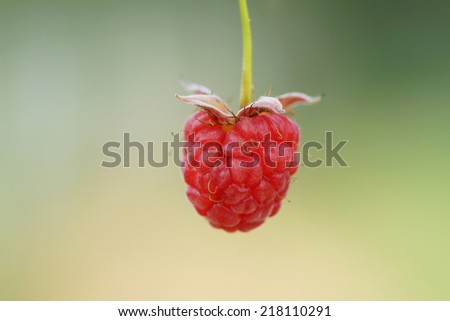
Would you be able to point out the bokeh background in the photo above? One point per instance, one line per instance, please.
(75, 74)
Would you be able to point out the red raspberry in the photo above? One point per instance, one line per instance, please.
(223, 185)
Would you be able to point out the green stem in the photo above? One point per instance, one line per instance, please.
(246, 83)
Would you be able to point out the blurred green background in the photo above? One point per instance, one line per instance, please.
(75, 74)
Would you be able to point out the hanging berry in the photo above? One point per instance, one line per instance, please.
(238, 166)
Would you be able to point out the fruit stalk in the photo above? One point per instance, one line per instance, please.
(246, 82)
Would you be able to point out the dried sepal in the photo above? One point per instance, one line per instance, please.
(212, 104)
(263, 104)
(290, 100)
(217, 108)
(196, 89)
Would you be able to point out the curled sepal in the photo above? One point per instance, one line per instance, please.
(263, 104)
(290, 100)
(213, 104)
(196, 88)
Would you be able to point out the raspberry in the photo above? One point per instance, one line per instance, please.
(238, 166)
(227, 186)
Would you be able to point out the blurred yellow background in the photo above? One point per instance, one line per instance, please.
(75, 74)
